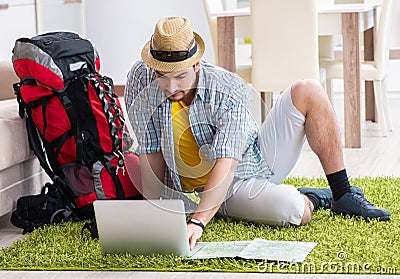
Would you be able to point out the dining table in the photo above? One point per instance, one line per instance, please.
(347, 20)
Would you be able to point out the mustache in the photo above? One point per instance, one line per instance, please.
(173, 93)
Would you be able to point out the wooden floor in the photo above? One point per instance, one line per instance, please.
(378, 156)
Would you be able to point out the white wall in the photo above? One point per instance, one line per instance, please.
(18, 20)
(120, 28)
(393, 82)
(395, 43)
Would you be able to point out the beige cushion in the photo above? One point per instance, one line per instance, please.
(14, 146)
(23, 179)
(7, 78)
(20, 172)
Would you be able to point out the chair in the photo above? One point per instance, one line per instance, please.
(376, 70)
(326, 47)
(284, 36)
(326, 43)
(213, 6)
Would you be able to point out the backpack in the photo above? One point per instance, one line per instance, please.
(48, 207)
(74, 120)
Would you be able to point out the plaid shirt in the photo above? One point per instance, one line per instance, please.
(220, 119)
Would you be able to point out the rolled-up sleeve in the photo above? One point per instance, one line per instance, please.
(140, 109)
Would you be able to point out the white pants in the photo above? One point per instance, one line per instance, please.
(266, 201)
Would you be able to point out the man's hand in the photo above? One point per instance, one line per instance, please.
(194, 232)
(212, 196)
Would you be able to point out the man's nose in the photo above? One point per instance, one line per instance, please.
(172, 86)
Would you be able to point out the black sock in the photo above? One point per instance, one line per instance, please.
(314, 200)
(339, 183)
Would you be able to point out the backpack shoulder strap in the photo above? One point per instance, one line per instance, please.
(17, 92)
(91, 226)
(114, 175)
(35, 144)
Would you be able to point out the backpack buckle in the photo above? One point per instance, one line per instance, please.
(66, 102)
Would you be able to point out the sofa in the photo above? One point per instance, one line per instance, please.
(20, 172)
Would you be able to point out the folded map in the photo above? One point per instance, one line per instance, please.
(271, 250)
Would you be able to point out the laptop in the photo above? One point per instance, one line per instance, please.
(143, 227)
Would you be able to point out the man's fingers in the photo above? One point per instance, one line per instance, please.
(192, 241)
(193, 236)
(195, 233)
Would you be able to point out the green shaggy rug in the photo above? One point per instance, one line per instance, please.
(346, 245)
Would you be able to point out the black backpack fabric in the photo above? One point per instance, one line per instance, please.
(48, 207)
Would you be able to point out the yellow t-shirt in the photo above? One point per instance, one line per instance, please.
(193, 166)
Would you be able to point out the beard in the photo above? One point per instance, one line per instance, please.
(180, 95)
(177, 97)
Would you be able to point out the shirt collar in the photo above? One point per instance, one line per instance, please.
(201, 84)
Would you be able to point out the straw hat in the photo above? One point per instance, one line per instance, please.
(174, 46)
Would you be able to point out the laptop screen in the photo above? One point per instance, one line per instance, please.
(142, 226)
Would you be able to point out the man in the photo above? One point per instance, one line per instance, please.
(195, 132)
